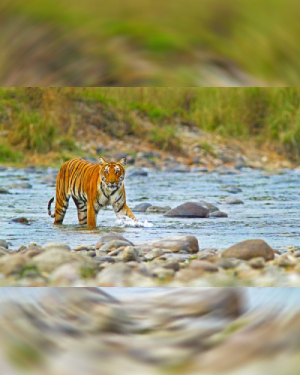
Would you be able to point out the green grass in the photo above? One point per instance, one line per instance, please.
(46, 119)
(8, 154)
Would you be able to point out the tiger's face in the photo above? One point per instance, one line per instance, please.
(112, 174)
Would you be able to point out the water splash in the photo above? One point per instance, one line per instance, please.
(127, 222)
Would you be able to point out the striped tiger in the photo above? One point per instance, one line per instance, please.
(92, 187)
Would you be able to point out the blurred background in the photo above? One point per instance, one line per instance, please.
(47, 126)
(149, 43)
(190, 331)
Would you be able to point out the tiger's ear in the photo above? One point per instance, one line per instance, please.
(101, 161)
(122, 161)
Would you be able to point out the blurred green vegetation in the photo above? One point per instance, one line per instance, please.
(40, 120)
(151, 43)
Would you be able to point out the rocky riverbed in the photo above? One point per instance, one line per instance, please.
(115, 261)
(187, 221)
(191, 331)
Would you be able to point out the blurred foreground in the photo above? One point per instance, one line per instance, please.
(149, 43)
(191, 331)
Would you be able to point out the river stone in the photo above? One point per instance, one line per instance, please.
(257, 262)
(66, 274)
(188, 210)
(211, 207)
(138, 172)
(130, 253)
(203, 265)
(21, 220)
(3, 251)
(22, 185)
(49, 260)
(173, 265)
(285, 260)
(84, 247)
(111, 237)
(158, 209)
(4, 244)
(12, 264)
(142, 207)
(177, 244)
(229, 200)
(249, 249)
(232, 189)
(218, 214)
(113, 245)
(56, 246)
(4, 191)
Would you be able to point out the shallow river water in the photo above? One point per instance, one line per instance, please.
(270, 211)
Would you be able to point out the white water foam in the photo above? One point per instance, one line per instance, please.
(127, 222)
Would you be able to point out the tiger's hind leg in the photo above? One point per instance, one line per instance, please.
(61, 205)
(81, 211)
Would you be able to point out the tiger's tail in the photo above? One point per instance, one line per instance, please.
(49, 207)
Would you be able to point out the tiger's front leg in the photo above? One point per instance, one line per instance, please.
(91, 215)
(124, 210)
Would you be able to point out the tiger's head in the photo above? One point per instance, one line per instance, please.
(112, 174)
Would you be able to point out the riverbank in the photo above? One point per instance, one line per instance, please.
(154, 127)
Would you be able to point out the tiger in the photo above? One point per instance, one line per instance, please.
(92, 187)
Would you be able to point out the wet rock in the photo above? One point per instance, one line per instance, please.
(209, 206)
(229, 200)
(111, 237)
(130, 253)
(21, 220)
(218, 214)
(249, 249)
(202, 265)
(232, 189)
(56, 246)
(113, 245)
(138, 173)
(4, 191)
(4, 244)
(177, 244)
(142, 207)
(188, 210)
(257, 263)
(158, 209)
(22, 185)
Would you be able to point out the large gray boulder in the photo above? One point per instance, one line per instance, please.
(188, 210)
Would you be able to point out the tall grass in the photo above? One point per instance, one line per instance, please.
(265, 115)
(44, 119)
